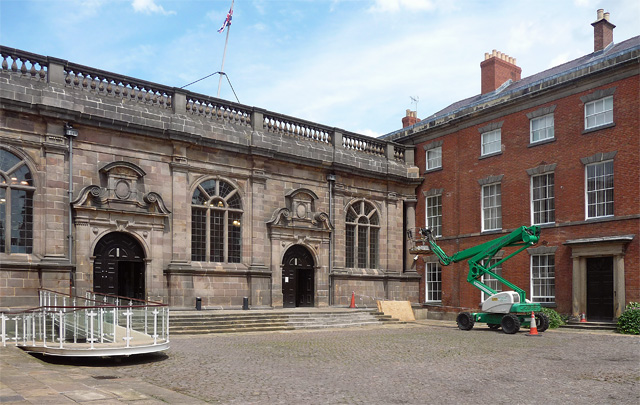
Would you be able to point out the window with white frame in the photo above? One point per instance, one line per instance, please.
(542, 128)
(598, 112)
(543, 199)
(433, 282)
(491, 207)
(489, 280)
(491, 142)
(543, 279)
(599, 189)
(434, 214)
(434, 158)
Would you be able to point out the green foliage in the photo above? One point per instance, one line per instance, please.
(629, 320)
(555, 320)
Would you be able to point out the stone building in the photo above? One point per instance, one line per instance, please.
(118, 185)
(559, 149)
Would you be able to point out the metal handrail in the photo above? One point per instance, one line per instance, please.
(62, 322)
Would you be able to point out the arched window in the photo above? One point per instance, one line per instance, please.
(362, 228)
(16, 204)
(216, 223)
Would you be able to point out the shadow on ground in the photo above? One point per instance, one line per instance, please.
(113, 361)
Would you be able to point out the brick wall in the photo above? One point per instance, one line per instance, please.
(463, 166)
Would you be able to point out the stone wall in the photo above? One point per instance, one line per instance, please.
(140, 152)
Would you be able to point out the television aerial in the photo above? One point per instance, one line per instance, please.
(415, 100)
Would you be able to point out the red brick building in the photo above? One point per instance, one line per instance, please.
(559, 149)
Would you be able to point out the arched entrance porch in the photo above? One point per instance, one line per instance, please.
(298, 277)
(119, 267)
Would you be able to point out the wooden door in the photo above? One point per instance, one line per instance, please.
(600, 289)
(297, 277)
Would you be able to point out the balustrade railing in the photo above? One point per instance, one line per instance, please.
(83, 78)
(96, 321)
(218, 110)
(122, 87)
(24, 63)
(280, 124)
(364, 144)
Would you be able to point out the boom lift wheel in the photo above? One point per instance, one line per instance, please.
(510, 324)
(542, 321)
(465, 321)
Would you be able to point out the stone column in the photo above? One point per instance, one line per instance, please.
(394, 240)
(410, 221)
(579, 284)
(180, 206)
(619, 299)
(276, 273)
(322, 275)
(56, 187)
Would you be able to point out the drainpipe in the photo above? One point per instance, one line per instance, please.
(71, 133)
(331, 178)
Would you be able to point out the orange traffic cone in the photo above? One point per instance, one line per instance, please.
(353, 300)
(533, 331)
(583, 318)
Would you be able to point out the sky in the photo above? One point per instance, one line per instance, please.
(356, 65)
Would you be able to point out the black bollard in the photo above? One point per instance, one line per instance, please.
(198, 303)
(245, 303)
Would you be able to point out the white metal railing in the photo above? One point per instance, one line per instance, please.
(94, 321)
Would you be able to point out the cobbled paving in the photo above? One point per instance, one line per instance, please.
(406, 364)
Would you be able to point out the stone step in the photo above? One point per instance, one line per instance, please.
(587, 326)
(190, 322)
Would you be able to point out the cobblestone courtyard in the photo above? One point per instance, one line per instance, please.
(408, 364)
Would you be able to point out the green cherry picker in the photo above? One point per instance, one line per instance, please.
(506, 309)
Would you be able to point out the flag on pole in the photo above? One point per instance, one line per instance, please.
(227, 21)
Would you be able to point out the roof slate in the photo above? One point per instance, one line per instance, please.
(611, 52)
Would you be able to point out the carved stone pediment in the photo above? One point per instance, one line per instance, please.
(99, 198)
(300, 212)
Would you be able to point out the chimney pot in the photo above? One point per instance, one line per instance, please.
(496, 69)
(410, 119)
(602, 31)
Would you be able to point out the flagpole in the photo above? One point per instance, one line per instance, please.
(224, 54)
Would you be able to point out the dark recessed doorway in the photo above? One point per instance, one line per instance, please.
(119, 268)
(298, 278)
(600, 288)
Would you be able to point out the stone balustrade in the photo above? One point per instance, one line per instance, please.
(123, 87)
(26, 64)
(182, 102)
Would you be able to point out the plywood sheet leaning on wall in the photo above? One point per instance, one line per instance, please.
(397, 309)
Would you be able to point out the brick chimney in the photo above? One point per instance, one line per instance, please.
(602, 31)
(497, 68)
(410, 119)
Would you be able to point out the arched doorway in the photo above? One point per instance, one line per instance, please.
(297, 277)
(118, 268)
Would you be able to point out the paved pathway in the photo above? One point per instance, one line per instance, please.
(421, 363)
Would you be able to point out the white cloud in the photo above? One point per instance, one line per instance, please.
(148, 7)
(383, 6)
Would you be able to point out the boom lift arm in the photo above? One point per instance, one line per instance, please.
(505, 309)
(523, 237)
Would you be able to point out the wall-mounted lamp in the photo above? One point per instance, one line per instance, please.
(69, 130)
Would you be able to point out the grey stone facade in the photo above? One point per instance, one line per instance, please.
(140, 153)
